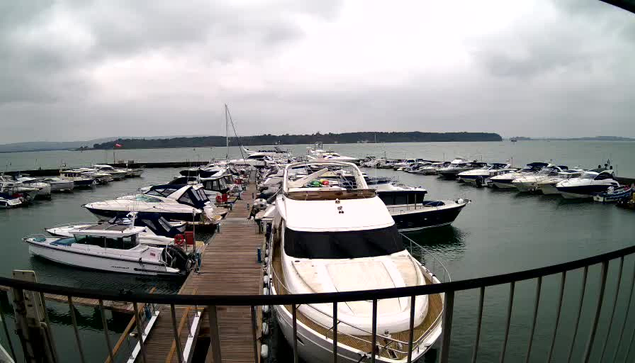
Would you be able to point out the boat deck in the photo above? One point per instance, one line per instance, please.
(229, 266)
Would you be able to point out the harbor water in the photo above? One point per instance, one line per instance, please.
(499, 232)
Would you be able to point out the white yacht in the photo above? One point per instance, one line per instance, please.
(317, 153)
(113, 248)
(479, 176)
(44, 189)
(59, 184)
(117, 174)
(548, 185)
(587, 185)
(328, 238)
(79, 178)
(529, 182)
(158, 231)
(504, 181)
(432, 169)
(187, 203)
(458, 166)
(15, 189)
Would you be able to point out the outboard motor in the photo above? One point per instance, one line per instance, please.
(175, 257)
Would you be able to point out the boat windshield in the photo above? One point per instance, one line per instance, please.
(146, 198)
(124, 243)
(342, 245)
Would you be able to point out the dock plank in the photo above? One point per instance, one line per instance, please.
(229, 267)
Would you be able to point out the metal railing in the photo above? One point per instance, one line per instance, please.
(21, 290)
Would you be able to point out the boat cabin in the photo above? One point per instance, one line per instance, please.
(105, 235)
(185, 194)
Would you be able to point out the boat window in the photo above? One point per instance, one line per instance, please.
(147, 199)
(401, 198)
(124, 243)
(185, 199)
(603, 176)
(340, 245)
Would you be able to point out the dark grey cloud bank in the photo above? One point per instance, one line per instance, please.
(86, 69)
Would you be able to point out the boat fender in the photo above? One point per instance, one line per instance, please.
(266, 260)
(265, 309)
(264, 351)
(265, 291)
(266, 280)
(265, 329)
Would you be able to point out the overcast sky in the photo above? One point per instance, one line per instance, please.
(77, 70)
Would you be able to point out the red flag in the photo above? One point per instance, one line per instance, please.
(117, 145)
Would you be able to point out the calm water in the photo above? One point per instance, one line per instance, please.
(498, 232)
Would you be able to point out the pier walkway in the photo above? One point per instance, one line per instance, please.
(229, 267)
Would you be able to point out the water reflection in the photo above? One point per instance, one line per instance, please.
(449, 240)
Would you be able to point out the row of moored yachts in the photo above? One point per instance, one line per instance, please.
(21, 190)
(541, 177)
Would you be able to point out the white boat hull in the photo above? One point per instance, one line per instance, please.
(503, 185)
(96, 262)
(548, 189)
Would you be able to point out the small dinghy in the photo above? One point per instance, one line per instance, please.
(10, 201)
(113, 248)
(613, 195)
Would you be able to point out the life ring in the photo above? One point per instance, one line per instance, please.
(179, 240)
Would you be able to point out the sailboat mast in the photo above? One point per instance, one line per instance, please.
(227, 131)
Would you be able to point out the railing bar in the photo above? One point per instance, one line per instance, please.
(617, 294)
(374, 343)
(628, 351)
(74, 322)
(563, 281)
(294, 314)
(479, 321)
(510, 305)
(214, 334)
(448, 311)
(102, 311)
(335, 332)
(411, 328)
(628, 308)
(577, 320)
(533, 323)
(6, 332)
(140, 332)
(177, 339)
(598, 312)
(254, 327)
(49, 329)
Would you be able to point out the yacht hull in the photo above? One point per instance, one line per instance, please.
(548, 189)
(582, 192)
(408, 219)
(105, 214)
(62, 186)
(94, 262)
(503, 184)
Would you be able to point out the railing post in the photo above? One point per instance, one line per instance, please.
(335, 332)
(104, 322)
(254, 327)
(563, 281)
(479, 321)
(510, 305)
(448, 311)
(411, 327)
(139, 331)
(598, 311)
(6, 331)
(175, 330)
(74, 321)
(294, 315)
(577, 321)
(628, 309)
(374, 340)
(214, 333)
(533, 323)
(617, 294)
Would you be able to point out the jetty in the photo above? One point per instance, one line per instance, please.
(229, 266)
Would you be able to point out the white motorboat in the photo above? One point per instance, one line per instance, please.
(504, 181)
(479, 177)
(458, 166)
(548, 185)
(113, 248)
(187, 203)
(432, 169)
(158, 231)
(44, 189)
(117, 174)
(587, 185)
(529, 183)
(10, 201)
(317, 153)
(100, 177)
(328, 238)
(16, 189)
(79, 179)
(59, 184)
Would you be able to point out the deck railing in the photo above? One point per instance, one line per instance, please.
(143, 311)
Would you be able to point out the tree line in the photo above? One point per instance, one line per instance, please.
(286, 139)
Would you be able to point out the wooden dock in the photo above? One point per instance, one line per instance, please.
(229, 266)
